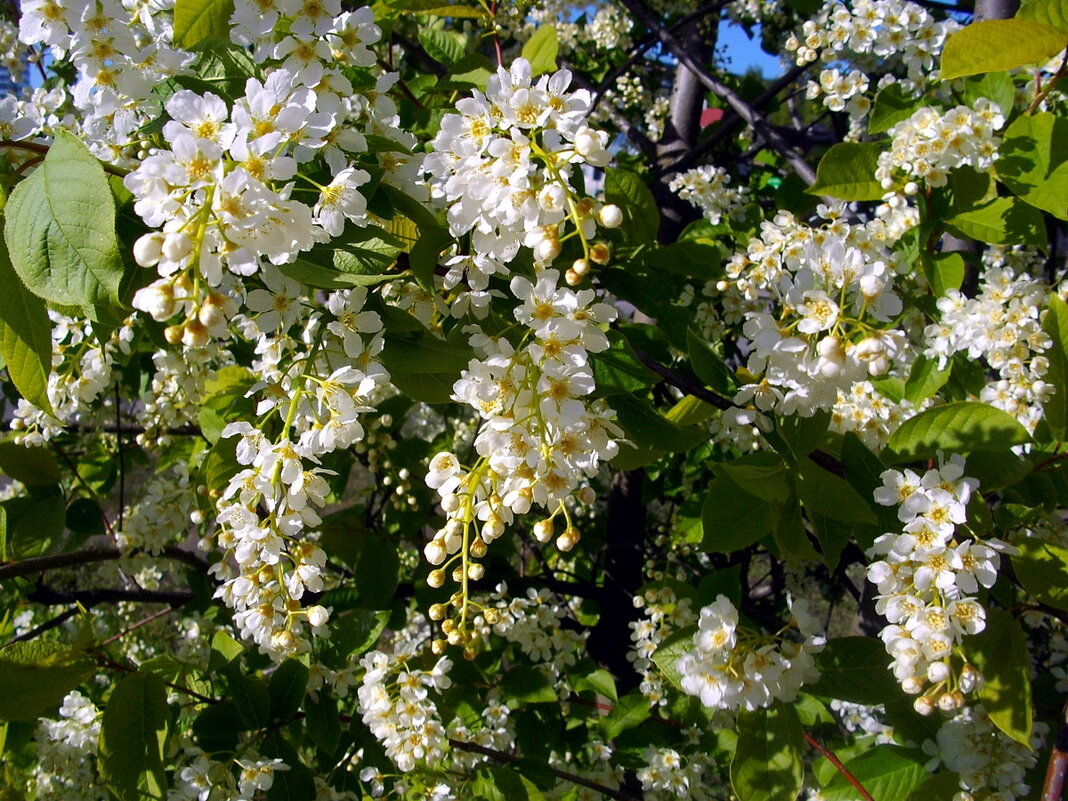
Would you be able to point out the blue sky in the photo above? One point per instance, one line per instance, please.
(745, 52)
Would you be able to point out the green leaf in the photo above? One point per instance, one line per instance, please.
(286, 689)
(445, 47)
(1000, 652)
(503, 784)
(618, 370)
(674, 646)
(599, 681)
(940, 787)
(376, 573)
(198, 19)
(36, 675)
(224, 650)
(1055, 325)
(25, 336)
(1052, 13)
(709, 367)
(356, 630)
(432, 388)
(925, 379)
(324, 723)
(632, 710)
(761, 474)
(645, 427)
(887, 772)
(216, 728)
(525, 684)
(855, 669)
(250, 695)
(641, 215)
(955, 428)
(831, 496)
(1042, 568)
(32, 465)
(732, 518)
(944, 271)
(426, 353)
(1002, 221)
(996, 45)
(133, 735)
(35, 524)
(60, 230)
(996, 86)
(847, 171)
(295, 784)
(1033, 161)
(767, 763)
(541, 49)
(891, 107)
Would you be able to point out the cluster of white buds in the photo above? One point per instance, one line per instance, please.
(926, 576)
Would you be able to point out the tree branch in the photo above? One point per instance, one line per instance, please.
(1057, 771)
(753, 118)
(501, 756)
(834, 760)
(40, 564)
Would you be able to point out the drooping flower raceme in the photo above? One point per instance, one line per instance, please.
(732, 667)
(927, 576)
(539, 438)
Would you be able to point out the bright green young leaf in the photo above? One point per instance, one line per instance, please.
(996, 45)
(456, 12)
(732, 518)
(641, 215)
(60, 230)
(1002, 221)
(944, 271)
(632, 710)
(955, 428)
(618, 370)
(1042, 568)
(443, 46)
(133, 735)
(25, 336)
(1055, 325)
(35, 677)
(1051, 13)
(855, 669)
(996, 86)
(195, 20)
(891, 107)
(925, 380)
(599, 681)
(1000, 652)
(1033, 161)
(847, 172)
(768, 764)
(887, 772)
(541, 49)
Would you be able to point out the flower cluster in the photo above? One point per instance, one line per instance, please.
(926, 578)
(663, 614)
(66, 753)
(929, 144)
(708, 188)
(534, 624)
(396, 707)
(876, 35)
(731, 667)
(668, 774)
(869, 414)
(990, 765)
(539, 439)
(1001, 325)
(504, 166)
(834, 287)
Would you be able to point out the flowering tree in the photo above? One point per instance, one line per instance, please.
(507, 401)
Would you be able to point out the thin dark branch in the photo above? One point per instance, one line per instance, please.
(501, 756)
(682, 382)
(89, 598)
(1057, 770)
(48, 625)
(40, 564)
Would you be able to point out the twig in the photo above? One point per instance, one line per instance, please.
(95, 597)
(48, 625)
(501, 756)
(40, 564)
(834, 760)
(682, 382)
(1057, 771)
(137, 625)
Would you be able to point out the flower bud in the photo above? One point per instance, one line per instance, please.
(434, 551)
(317, 616)
(194, 334)
(581, 267)
(176, 246)
(547, 249)
(475, 571)
(436, 579)
(173, 334)
(543, 530)
(148, 250)
(599, 253)
(924, 705)
(610, 216)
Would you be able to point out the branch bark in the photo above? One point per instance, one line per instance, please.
(40, 564)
